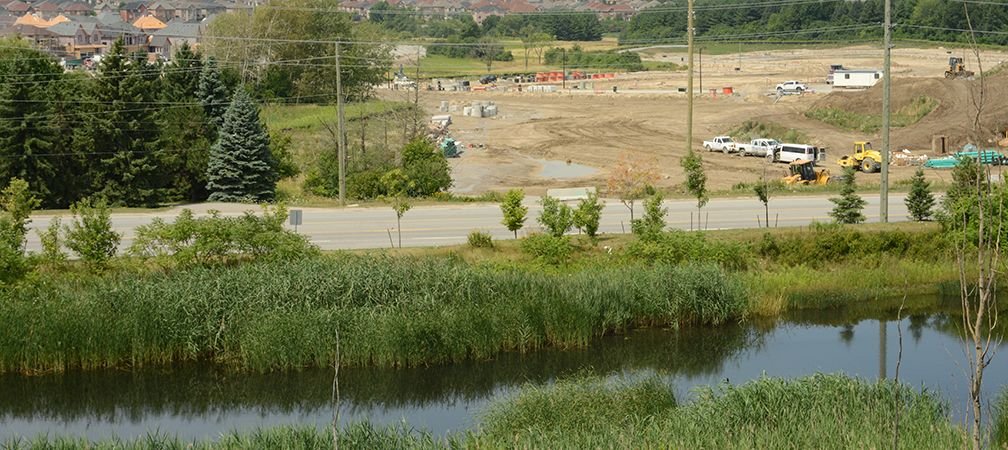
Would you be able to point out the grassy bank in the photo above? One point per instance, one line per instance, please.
(821, 411)
(909, 114)
(427, 306)
(389, 312)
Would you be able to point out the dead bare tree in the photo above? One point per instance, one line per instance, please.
(979, 296)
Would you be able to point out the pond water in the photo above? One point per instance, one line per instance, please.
(201, 402)
(562, 170)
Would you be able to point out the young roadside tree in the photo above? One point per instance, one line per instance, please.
(90, 233)
(920, 201)
(848, 205)
(631, 179)
(556, 217)
(16, 205)
(653, 221)
(52, 251)
(241, 166)
(762, 190)
(397, 186)
(588, 214)
(515, 213)
(696, 180)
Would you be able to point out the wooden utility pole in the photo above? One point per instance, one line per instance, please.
(886, 112)
(341, 138)
(689, 83)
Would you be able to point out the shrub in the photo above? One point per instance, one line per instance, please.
(217, 239)
(554, 250)
(16, 205)
(556, 217)
(679, 247)
(90, 233)
(480, 239)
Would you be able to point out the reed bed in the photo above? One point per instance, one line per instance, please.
(389, 312)
(820, 411)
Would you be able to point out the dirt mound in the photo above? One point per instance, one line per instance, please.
(953, 117)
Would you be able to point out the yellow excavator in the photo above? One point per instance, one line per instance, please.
(957, 69)
(803, 172)
(864, 158)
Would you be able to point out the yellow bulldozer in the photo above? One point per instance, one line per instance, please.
(804, 172)
(864, 158)
(957, 69)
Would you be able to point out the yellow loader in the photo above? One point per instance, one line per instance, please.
(803, 172)
(864, 158)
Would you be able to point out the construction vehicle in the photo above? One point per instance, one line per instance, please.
(864, 158)
(957, 69)
(803, 172)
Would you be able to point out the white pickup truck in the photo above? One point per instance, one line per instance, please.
(720, 143)
(791, 87)
(757, 147)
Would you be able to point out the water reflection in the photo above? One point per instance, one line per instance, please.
(199, 402)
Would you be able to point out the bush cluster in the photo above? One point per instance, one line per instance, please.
(218, 239)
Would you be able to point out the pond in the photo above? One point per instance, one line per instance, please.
(201, 402)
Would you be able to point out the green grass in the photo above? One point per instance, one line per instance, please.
(819, 411)
(310, 117)
(390, 312)
(999, 425)
(752, 129)
(870, 123)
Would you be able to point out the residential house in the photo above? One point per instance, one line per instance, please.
(132, 11)
(611, 10)
(358, 9)
(482, 10)
(16, 8)
(166, 41)
(76, 40)
(76, 9)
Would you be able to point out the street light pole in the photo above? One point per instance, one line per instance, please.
(689, 82)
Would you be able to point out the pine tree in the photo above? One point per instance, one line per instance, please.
(241, 166)
(849, 205)
(121, 136)
(920, 201)
(186, 135)
(213, 94)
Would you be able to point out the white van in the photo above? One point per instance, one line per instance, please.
(793, 152)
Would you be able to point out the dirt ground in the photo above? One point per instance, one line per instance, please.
(592, 126)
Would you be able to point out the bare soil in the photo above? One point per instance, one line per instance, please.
(647, 116)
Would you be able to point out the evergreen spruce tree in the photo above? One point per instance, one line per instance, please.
(849, 205)
(213, 94)
(26, 131)
(122, 131)
(241, 166)
(920, 201)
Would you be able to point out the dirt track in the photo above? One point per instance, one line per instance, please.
(647, 116)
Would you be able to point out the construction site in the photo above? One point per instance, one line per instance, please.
(571, 134)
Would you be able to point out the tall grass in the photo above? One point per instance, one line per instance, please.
(389, 312)
(820, 411)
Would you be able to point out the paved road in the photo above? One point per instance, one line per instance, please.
(357, 227)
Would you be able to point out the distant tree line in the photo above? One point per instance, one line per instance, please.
(563, 25)
(134, 134)
(935, 20)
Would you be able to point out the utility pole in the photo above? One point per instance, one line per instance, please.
(564, 52)
(416, 96)
(689, 82)
(886, 88)
(340, 139)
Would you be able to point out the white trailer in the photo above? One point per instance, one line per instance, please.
(851, 78)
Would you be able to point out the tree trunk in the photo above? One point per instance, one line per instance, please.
(398, 221)
(766, 211)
